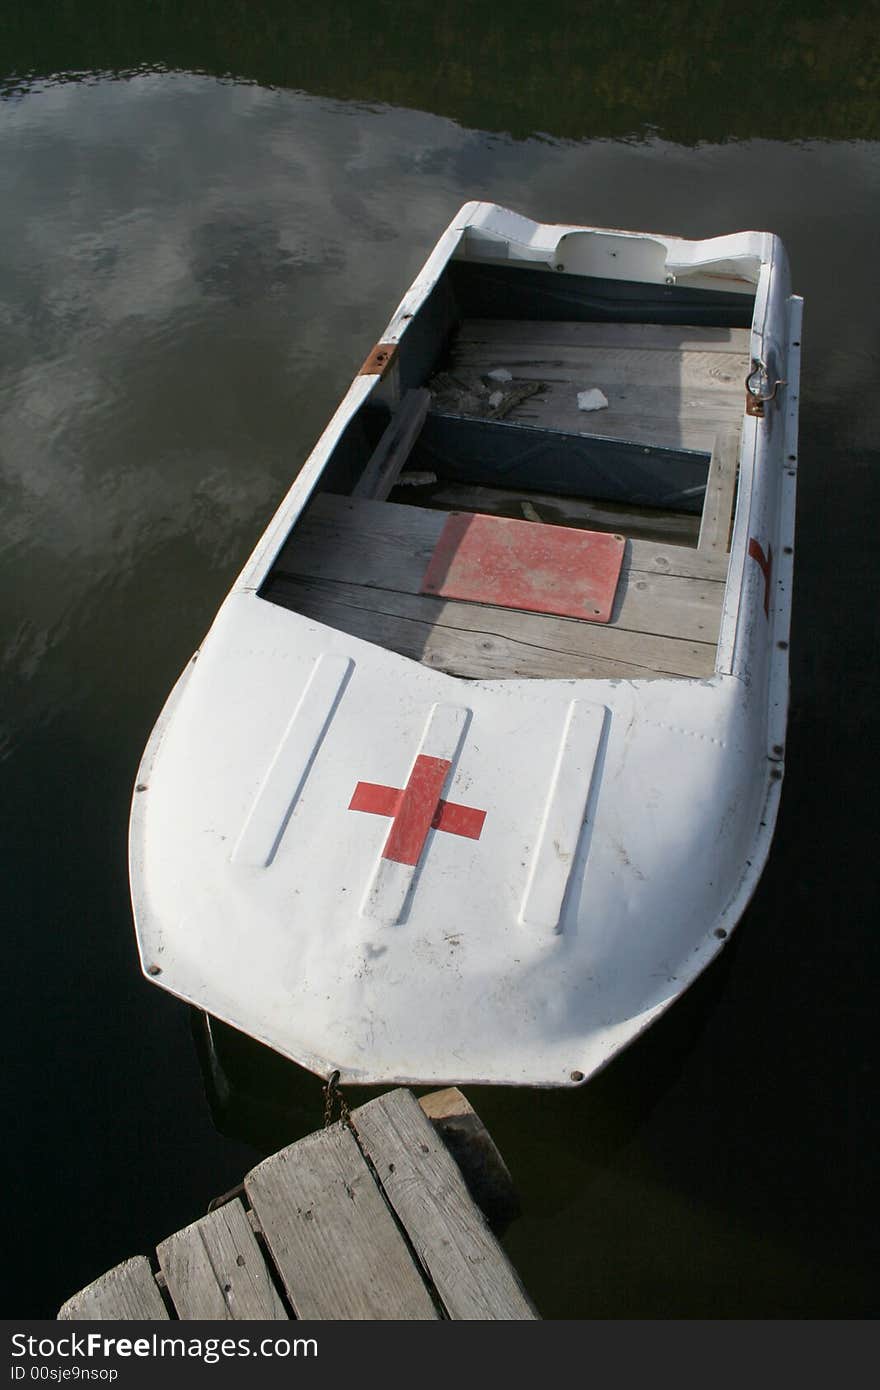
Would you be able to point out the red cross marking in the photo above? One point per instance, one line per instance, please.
(417, 809)
(765, 564)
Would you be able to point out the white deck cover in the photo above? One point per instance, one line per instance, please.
(615, 836)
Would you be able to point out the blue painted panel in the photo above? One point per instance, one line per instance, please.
(498, 453)
(516, 292)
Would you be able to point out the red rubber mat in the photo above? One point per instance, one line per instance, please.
(525, 564)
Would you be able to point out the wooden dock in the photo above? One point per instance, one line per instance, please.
(370, 1218)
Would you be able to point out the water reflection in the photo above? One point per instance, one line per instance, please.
(191, 271)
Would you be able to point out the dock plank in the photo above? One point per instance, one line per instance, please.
(214, 1269)
(128, 1292)
(342, 1245)
(465, 1262)
(331, 1235)
(485, 1173)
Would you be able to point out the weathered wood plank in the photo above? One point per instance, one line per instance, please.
(331, 1235)
(720, 488)
(688, 428)
(482, 643)
(401, 538)
(215, 1269)
(639, 336)
(339, 534)
(395, 446)
(388, 545)
(646, 523)
(128, 1292)
(665, 385)
(486, 1175)
(467, 1266)
(557, 410)
(677, 375)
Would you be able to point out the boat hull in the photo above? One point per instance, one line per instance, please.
(387, 871)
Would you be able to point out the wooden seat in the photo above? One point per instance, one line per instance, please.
(358, 566)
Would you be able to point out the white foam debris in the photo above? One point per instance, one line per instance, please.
(416, 477)
(499, 374)
(496, 398)
(593, 399)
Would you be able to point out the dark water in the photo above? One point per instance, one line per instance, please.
(206, 217)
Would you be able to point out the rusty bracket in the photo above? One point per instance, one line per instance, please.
(379, 360)
(755, 396)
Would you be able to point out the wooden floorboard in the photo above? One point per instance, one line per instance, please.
(390, 543)
(467, 639)
(358, 566)
(669, 591)
(665, 385)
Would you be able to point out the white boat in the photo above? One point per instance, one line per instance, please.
(479, 763)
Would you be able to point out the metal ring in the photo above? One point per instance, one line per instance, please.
(757, 367)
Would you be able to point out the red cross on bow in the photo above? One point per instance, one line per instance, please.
(416, 809)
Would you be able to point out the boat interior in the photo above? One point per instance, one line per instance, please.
(542, 484)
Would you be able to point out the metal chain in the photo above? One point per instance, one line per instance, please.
(335, 1104)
